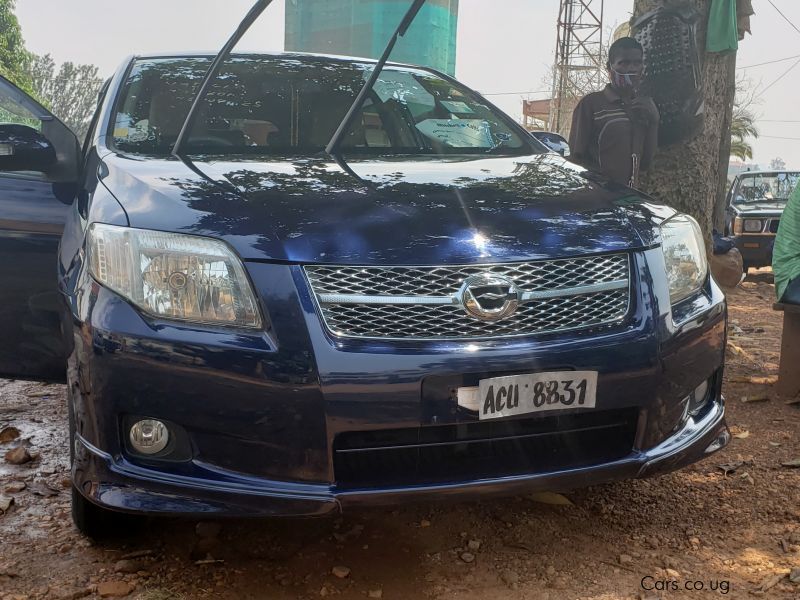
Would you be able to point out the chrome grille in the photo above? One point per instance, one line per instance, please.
(424, 303)
(445, 281)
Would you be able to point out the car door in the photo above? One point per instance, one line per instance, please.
(730, 213)
(39, 158)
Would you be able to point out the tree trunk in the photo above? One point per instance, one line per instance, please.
(725, 150)
(689, 176)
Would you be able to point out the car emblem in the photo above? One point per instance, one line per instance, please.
(489, 297)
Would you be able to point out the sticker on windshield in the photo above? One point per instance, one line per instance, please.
(402, 87)
(458, 133)
(456, 107)
(131, 132)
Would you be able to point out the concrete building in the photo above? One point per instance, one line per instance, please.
(363, 27)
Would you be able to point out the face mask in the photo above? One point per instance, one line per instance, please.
(625, 80)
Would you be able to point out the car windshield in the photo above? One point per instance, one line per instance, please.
(292, 105)
(765, 187)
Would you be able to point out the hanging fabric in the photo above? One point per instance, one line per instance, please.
(744, 10)
(723, 27)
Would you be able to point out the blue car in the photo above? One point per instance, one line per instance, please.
(442, 308)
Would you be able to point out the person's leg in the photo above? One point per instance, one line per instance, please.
(792, 293)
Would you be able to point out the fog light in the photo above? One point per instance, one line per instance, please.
(699, 398)
(149, 436)
(700, 391)
(718, 444)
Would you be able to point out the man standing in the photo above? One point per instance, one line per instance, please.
(616, 131)
(786, 254)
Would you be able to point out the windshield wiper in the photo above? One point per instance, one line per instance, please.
(259, 7)
(344, 126)
(255, 12)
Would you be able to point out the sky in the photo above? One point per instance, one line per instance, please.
(505, 47)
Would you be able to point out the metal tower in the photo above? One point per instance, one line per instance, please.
(579, 67)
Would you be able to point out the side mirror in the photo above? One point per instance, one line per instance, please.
(23, 148)
(553, 141)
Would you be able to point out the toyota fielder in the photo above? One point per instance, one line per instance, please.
(259, 326)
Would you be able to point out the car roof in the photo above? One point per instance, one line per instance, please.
(762, 173)
(277, 54)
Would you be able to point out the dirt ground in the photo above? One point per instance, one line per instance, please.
(734, 534)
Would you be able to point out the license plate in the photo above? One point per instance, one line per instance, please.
(523, 394)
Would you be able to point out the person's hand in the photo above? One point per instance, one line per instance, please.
(644, 110)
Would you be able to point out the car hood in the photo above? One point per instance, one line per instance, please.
(761, 209)
(427, 210)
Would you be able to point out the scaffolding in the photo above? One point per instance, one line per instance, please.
(363, 27)
(579, 67)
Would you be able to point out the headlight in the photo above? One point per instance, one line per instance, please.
(685, 256)
(174, 276)
(753, 225)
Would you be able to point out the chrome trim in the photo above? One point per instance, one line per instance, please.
(454, 300)
(358, 299)
(511, 297)
(576, 291)
(557, 295)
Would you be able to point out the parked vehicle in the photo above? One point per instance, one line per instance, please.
(553, 141)
(755, 203)
(258, 326)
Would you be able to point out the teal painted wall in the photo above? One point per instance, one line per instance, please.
(363, 27)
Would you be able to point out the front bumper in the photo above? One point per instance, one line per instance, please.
(756, 249)
(123, 486)
(263, 411)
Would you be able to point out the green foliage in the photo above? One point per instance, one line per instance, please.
(743, 126)
(741, 149)
(70, 92)
(743, 121)
(14, 58)
(777, 164)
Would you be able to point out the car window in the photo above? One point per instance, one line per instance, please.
(288, 105)
(13, 113)
(766, 187)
